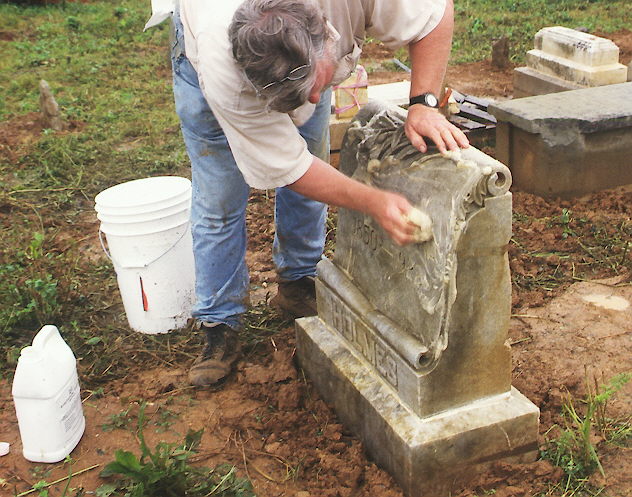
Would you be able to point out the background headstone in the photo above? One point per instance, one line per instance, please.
(51, 116)
(500, 53)
(568, 59)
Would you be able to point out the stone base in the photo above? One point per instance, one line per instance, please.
(528, 82)
(598, 162)
(427, 456)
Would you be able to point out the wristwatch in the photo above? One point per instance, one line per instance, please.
(428, 99)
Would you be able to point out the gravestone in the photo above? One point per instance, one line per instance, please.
(410, 343)
(51, 115)
(568, 59)
(500, 53)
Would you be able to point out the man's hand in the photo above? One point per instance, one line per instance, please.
(391, 210)
(324, 183)
(427, 122)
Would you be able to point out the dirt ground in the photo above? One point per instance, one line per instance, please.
(269, 422)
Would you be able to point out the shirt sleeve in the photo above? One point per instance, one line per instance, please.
(399, 22)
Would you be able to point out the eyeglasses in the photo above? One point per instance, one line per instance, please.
(295, 74)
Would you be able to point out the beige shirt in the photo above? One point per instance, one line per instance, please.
(266, 144)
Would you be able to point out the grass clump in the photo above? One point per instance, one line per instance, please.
(166, 471)
(560, 246)
(575, 448)
(29, 295)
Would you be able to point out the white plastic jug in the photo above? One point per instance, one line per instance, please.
(47, 398)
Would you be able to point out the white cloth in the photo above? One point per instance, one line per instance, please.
(266, 144)
(160, 10)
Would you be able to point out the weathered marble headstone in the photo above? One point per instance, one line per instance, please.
(568, 59)
(410, 342)
(51, 116)
(500, 53)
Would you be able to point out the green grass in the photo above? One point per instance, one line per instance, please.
(478, 22)
(113, 85)
(104, 72)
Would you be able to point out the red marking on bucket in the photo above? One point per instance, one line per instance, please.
(143, 295)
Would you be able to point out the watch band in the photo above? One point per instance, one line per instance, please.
(428, 99)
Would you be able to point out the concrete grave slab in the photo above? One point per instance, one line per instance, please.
(574, 72)
(576, 46)
(567, 144)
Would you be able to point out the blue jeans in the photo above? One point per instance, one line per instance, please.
(220, 195)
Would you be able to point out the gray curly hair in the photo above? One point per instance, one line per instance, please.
(272, 38)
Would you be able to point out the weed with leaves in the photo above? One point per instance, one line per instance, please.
(166, 472)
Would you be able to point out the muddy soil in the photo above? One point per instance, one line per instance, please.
(268, 421)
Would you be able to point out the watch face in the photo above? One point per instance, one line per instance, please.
(431, 100)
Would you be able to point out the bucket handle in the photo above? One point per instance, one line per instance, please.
(109, 256)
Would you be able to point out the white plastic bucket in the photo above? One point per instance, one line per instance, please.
(147, 228)
(47, 398)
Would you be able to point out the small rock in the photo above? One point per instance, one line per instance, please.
(511, 491)
(272, 448)
(4, 448)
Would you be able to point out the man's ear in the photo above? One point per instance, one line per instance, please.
(314, 96)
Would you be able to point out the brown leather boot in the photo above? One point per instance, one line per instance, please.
(220, 354)
(296, 298)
